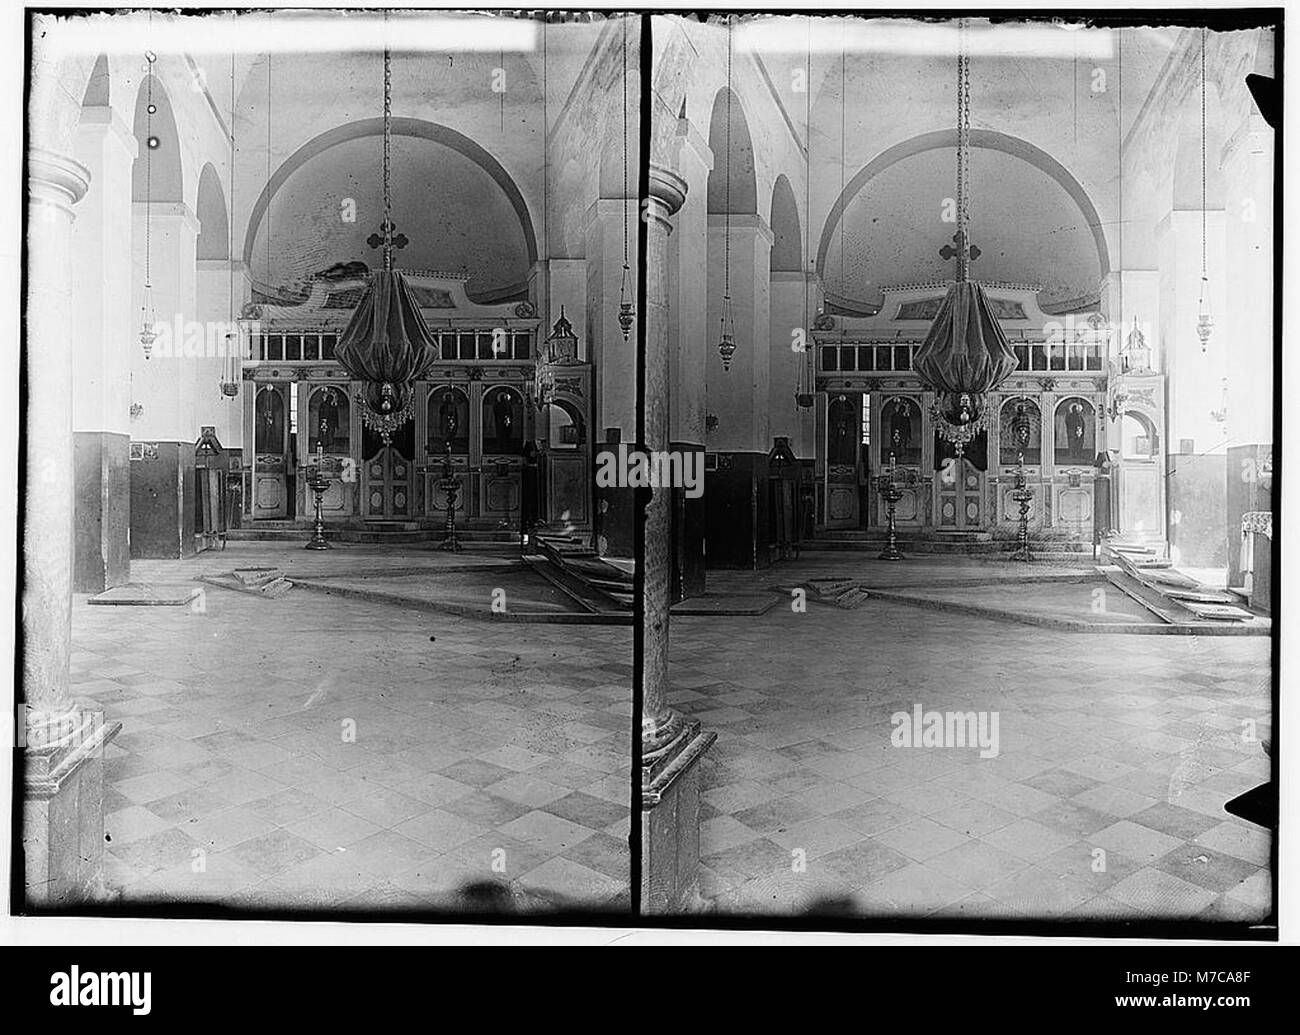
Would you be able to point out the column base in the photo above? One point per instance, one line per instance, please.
(670, 823)
(63, 808)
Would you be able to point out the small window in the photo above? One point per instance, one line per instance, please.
(830, 358)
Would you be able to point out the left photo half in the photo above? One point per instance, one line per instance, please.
(328, 317)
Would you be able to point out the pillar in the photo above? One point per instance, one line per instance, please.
(166, 386)
(689, 346)
(1197, 440)
(63, 756)
(104, 335)
(737, 535)
(671, 745)
(614, 360)
(1247, 330)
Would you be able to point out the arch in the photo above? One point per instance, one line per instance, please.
(503, 421)
(1138, 436)
(1020, 432)
(980, 138)
(156, 174)
(329, 419)
(99, 88)
(1076, 431)
(787, 242)
(405, 127)
(567, 430)
(736, 166)
(214, 223)
(447, 411)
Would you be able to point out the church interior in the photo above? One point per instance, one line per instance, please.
(359, 281)
(332, 319)
(973, 324)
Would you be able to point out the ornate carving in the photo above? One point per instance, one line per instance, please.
(823, 322)
(251, 311)
(475, 373)
(525, 310)
(1047, 384)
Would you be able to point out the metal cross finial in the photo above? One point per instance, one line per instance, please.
(386, 228)
(959, 239)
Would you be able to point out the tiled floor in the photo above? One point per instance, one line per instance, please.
(321, 752)
(1105, 800)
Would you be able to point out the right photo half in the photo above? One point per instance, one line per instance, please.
(959, 407)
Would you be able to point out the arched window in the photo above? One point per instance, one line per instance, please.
(1076, 431)
(329, 418)
(448, 419)
(503, 422)
(1020, 433)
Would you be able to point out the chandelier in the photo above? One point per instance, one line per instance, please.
(387, 345)
(965, 354)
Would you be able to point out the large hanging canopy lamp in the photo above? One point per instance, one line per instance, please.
(387, 345)
(965, 355)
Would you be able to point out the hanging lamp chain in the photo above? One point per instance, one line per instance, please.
(963, 155)
(148, 172)
(625, 265)
(1203, 191)
(388, 141)
(726, 230)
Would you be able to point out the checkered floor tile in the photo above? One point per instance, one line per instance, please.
(316, 751)
(1105, 800)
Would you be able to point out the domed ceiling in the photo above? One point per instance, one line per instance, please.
(1026, 225)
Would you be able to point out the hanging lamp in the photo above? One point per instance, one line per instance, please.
(387, 345)
(965, 354)
(727, 330)
(1204, 318)
(804, 377)
(232, 361)
(148, 315)
(626, 312)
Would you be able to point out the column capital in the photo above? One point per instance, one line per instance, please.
(668, 190)
(56, 179)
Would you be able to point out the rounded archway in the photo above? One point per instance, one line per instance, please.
(156, 174)
(454, 205)
(732, 182)
(894, 212)
(787, 242)
(214, 223)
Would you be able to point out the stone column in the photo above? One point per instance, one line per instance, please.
(671, 744)
(63, 805)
